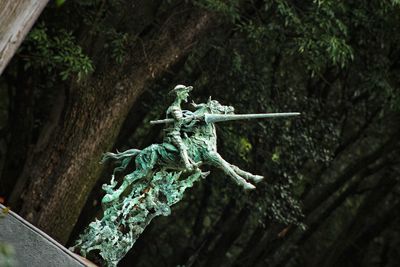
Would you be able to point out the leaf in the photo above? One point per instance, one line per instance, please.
(60, 2)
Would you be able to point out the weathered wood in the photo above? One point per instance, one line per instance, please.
(16, 19)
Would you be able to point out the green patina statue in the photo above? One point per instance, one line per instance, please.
(163, 172)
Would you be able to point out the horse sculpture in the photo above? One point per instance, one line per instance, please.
(201, 139)
(158, 181)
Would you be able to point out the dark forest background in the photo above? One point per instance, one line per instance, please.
(92, 73)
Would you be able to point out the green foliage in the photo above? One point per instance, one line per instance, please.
(59, 2)
(229, 9)
(117, 43)
(55, 53)
(313, 31)
(239, 144)
(273, 62)
(99, 17)
(329, 60)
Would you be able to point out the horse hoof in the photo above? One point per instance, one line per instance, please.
(198, 164)
(248, 186)
(257, 178)
(188, 169)
(204, 174)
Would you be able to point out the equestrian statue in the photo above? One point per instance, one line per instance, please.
(162, 173)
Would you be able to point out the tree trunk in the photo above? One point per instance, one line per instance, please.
(357, 248)
(20, 123)
(245, 255)
(200, 254)
(229, 235)
(371, 205)
(67, 169)
(16, 19)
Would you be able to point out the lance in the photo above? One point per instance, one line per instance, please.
(212, 118)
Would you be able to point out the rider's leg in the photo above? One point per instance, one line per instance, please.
(177, 141)
(219, 162)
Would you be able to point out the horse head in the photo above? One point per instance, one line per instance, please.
(215, 107)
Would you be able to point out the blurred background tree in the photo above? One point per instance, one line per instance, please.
(92, 73)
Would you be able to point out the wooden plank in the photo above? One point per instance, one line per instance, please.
(16, 19)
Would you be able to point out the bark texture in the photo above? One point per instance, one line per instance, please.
(21, 130)
(67, 167)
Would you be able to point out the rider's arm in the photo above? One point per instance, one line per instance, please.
(197, 106)
(176, 113)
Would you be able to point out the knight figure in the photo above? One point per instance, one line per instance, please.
(174, 131)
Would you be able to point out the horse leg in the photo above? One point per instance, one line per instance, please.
(247, 175)
(216, 160)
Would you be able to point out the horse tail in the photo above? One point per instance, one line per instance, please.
(123, 157)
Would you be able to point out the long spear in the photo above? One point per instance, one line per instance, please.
(212, 118)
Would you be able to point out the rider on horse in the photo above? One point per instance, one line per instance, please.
(173, 133)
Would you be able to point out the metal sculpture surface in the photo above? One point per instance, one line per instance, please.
(163, 173)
